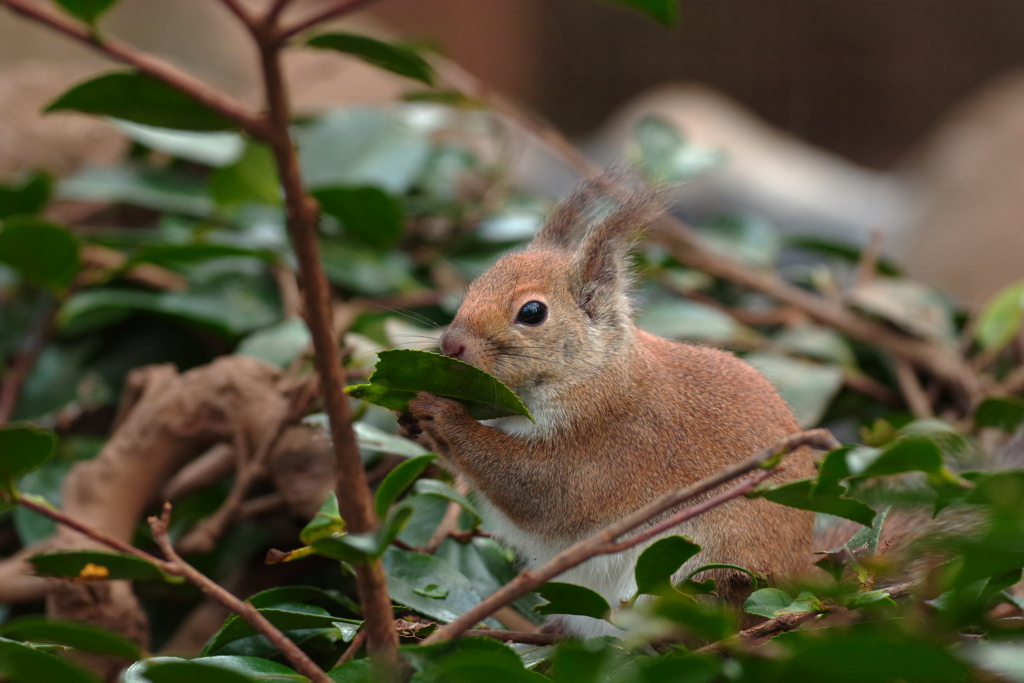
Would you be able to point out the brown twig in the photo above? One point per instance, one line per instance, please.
(868, 263)
(23, 363)
(176, 566)
(333, 12)
(682, 243)
(95, 534)
(292, 652)
(607, 540)
(352, 649)
(450, 522)
(789, 622)
(354, 494)
(917, 400)
(122, 52)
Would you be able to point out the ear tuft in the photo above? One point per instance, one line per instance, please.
(600, 279)
(567, 225)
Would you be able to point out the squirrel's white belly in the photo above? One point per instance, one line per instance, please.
(610, 575)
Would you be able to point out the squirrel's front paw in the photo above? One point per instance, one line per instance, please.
(428, 409)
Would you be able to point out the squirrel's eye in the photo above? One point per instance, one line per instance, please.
(532, 313)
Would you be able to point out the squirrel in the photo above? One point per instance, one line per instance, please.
(622, 416)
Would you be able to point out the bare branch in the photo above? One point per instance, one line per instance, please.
(354, 497)
(122, 52)
(917, 400)
(607, 540)
(299, 659)
(333, 12)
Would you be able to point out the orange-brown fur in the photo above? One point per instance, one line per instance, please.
(622, 415)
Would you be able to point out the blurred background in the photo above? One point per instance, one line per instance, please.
(841, 118)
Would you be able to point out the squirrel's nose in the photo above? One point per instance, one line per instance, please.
(452, 347)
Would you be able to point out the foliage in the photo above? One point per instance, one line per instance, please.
(413, 197)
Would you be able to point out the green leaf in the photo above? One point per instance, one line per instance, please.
(80, 635)
(23, 448)
(677, 318)
(401, 373)
(664, 11)
(336, 604)
(42, 252)
(395, 58)
(165, 191)
(21, 663)
(253, 668)
(1002, 412)
(867, 657)
(432, 590)
(766, 602)
(361, 548)
(284, 617)
(908, 454)
(134, 96)
(365, 270)
(86, 10)
(193, 672)
(433, 487)
(99, 566)
(326, 522)
(568, 598)
(657, 564)
(467, 660)
(704, 619)
(1001, 318)
(797, 494)
(30, 198)
(357, 671)
(368, 214)
(409, 572)
(253, 178)
(398, 480)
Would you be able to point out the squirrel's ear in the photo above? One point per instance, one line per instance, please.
(567, 225)
(600, 278)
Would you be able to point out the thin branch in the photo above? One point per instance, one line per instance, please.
(607, 540)
(236, 8)
(917, 400)
(122, 52)
(14, 378)
(352, 649)
(1014, 382)
(299, 659)
(682, 243)
(332, 12)
(95, 534)
(353, 491)
(274, 13)
(789, 622)
(867, 266)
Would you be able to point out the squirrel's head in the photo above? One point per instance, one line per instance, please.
(559, 311)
